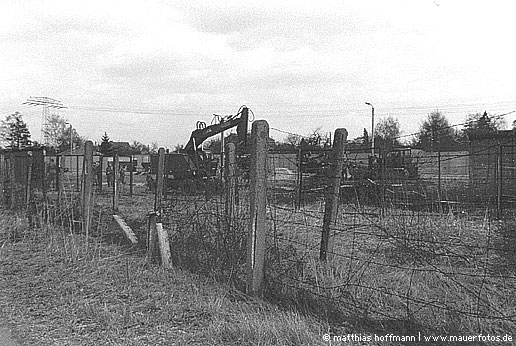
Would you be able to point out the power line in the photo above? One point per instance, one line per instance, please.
(492, 117)
(46, 103)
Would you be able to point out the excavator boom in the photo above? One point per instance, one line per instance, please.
(201, 134)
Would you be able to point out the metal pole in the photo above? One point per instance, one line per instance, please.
(500, 182)
(372, 127)
(299, 178)
(71, 139)
(439, 193)
(131, 167)
(78, 185)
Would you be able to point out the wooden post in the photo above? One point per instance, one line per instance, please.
(131, 167)
(116, 187)
(257, 214)
(87, 186)
(230, 180)
(333, 194)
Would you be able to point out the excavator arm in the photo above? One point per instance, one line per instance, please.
(202, 133)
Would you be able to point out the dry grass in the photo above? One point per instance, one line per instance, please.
(395, 272)
(400, 272)
(58, 288)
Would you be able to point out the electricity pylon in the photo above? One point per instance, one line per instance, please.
(46, 103)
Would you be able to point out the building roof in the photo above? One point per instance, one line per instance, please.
(119, 148)
(503, 134)
(122, 149)
(77, 152)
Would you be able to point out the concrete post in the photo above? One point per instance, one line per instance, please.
(333, 194)
(257, 220)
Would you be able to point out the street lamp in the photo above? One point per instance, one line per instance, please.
(71, 137)
(372, 127)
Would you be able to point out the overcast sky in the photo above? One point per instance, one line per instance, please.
(149, 70)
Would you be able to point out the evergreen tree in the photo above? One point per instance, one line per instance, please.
(482, 125)
(105, 145)
(14, 132)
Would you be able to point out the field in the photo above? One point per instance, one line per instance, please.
(59, 288)
(392, 269)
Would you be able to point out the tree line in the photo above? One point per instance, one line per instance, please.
(435, 133)
(59, 136)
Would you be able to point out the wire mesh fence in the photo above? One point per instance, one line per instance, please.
(418, 240)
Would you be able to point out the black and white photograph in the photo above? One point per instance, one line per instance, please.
(269, 173)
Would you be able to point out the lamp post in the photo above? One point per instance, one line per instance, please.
(71, 137)
(372, 127)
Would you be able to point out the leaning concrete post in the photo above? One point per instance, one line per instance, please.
(257, 220)
(333, 194)
(87, 186)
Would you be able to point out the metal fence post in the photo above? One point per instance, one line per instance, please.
(28, 186)
(116, 181)
(257, 209)
(131, 168)
(230, 180)
(333, 194)
(299, 179)
(500, 183)
(12, 181)
(99, 173)
(59, 180)
(439, 191)
(160, 182)
(2, 178)
(87, 186)
(77, 182)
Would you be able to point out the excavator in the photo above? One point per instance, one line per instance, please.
(192, 169)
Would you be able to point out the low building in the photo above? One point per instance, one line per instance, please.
(493, 156)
